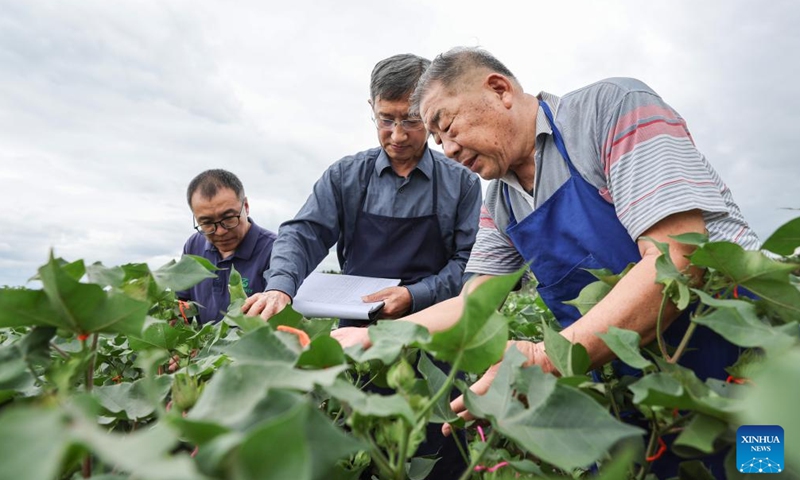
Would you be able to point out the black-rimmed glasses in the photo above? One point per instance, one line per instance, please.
(228, 223)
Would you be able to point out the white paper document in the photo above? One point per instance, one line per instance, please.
(330, 295)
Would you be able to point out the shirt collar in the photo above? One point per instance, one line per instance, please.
(246, 247)
(542, 125)
(542, 128)
(425, 164)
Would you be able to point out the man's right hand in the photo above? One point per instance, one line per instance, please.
(267, 304)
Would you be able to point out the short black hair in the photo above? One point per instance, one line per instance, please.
(210, 181)
(394, 78)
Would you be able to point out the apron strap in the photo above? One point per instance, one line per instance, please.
(562, 149)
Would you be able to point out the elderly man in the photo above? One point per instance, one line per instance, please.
(227, 237)
(577, 181)
(397, 211)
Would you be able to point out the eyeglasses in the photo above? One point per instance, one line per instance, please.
(408, 125)
(228, 223)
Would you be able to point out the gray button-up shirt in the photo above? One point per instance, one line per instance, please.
(329, 215)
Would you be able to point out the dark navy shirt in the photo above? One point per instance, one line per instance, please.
(330, 212)
(251, 260)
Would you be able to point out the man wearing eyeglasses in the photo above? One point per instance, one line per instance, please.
(397, 211)
(227, 237)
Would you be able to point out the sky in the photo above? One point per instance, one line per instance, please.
(109, 108)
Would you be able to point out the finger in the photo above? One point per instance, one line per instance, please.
(252, 299)
(377, 296)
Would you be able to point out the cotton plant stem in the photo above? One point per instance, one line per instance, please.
(659, 336)
(684, 342)
(63, 354)
(475, 461)
(86, 467)
(400, 467)
(378, 457)
(444, 389)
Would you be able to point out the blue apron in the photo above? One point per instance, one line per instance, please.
(411, 249)
(576, 229)
(391, 247)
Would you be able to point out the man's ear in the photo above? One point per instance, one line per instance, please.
(501, 86)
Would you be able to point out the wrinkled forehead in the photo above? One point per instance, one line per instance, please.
(435, 102)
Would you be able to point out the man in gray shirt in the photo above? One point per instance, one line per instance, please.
(398, 211)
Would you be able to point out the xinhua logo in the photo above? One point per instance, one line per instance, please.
(759, 449)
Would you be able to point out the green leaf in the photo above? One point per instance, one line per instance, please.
(262, 346)
(184, 274)
(235, 390)
(699, 436)
(24, 308)
(620, 466)
(479, 338)
(105, 276)
(235, 287)
(738, 322)
(676, 284)
(785, 239)
(435, 379)
(678, 387)
(235, 316)
(607, 276)
(132, 400)
(33, 443)
(559, 424)
(371, 405)
(388, 339)
(144, 453)
(87, 308)
(696, 239)
(308, 449)
(766, 278)
(625, 345)
(569, 358)
(160, 334)
(772, 400)
(590, 296)
(322, 352)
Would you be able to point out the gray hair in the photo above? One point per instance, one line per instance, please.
(451, 66)
(394, 78)
(211, 181)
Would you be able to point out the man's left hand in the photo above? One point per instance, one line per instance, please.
(397, 301)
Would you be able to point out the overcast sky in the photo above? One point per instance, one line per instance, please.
(109, 108)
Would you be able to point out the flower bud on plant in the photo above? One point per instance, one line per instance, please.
(185, 391)
(401, 376)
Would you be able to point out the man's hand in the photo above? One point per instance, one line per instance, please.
(267, 304)
(349, 336)
(534, 352)
(397, 301)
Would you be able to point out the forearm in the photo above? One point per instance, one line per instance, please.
(443, 285)
(633, 304)
(444, 314)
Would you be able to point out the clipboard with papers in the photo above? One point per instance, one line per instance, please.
(330, 295)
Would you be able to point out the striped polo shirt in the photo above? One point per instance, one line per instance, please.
(634, 149)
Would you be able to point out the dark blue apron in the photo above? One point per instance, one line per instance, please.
(576, 229)
(391, 247)
(409, 249)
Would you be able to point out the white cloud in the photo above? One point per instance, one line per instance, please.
(110, 108)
